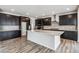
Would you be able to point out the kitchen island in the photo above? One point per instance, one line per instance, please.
(50, 39)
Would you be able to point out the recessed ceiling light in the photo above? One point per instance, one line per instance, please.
(12, 10)
(68, 9)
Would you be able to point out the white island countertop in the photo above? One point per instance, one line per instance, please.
(56, 33)
(50, 39)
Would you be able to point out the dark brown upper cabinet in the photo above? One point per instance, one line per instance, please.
(13, 20)
(70, 19)
(3, 19)
(6, 19)
(47, 21)
(43, 21)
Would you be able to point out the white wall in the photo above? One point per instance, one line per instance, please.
(52, 18)
(57, 18)
(32, 22)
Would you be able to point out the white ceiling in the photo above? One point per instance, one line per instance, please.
(37, 10)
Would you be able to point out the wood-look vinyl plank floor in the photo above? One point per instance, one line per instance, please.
(22, 45)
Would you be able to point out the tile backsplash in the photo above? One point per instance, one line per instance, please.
(67, 27)
(63, 27)
(8, 28)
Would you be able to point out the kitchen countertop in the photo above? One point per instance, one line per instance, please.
(49, 32)
(59, 30)
(7, 30)
(56, 27)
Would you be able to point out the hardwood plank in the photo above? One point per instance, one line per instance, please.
(22, 45)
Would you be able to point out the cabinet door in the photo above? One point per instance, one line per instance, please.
(47, 21)
(65, 35)
(3, 36)
(13, 34)
(3, 19)
(70, 19)
(16, 20)
(72, 35)
(9, 35)
(9, 20)
(12, 20)
(6, 19)
(38, 22)
(16, 34)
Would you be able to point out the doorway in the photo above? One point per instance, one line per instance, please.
(25, 26)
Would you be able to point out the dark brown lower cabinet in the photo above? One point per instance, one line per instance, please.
(9, 35)
(71, 35)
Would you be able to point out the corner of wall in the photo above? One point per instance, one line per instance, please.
(32, 22)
